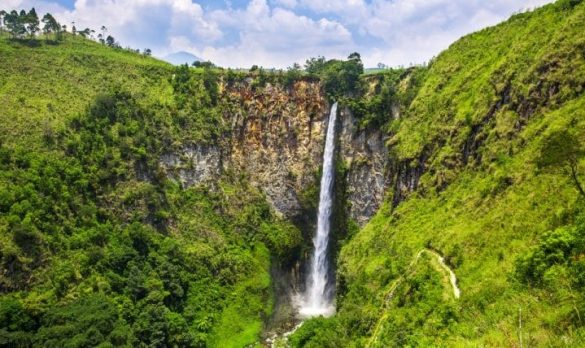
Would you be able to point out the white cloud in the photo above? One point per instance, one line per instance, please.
(137, 23)
(286, 3)
(412, 31)
(275, 37)
(281, 32)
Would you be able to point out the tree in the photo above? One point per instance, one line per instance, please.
(51, 26)
(32, 22)
(355, 56)
(15, 23)
(85, 32)
(562, 150)
(2, 15)
(315, 65)
(292, 74)
(110, 41)
(102, 35)
(147, 52)
(203, 64)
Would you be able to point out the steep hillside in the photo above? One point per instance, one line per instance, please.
(481, 155)
(43, 84)
(101, 241)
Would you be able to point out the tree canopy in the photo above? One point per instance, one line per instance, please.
(340, 78)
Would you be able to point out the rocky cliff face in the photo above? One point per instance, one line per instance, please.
(277, 137)
(369, 170)
(193, 164)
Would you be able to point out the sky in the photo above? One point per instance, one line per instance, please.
(279, 33)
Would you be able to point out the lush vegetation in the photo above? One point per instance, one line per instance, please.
(495, 125)
(97, 246)
(26, 26)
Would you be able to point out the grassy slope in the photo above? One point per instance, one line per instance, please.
(210, 240)
(44, 85)
(483, 215)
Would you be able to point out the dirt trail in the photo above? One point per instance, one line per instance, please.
(410, 271)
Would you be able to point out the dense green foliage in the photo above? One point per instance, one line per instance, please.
(378, 96)
(558, 253)
(339, 78)
(492, 133)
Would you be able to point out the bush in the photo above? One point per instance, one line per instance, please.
(564, 247)
(319, 332)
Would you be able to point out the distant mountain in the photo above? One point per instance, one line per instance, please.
(181, 57)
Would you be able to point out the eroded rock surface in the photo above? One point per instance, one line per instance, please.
(368, 167)
(277, 138)
(193, 165)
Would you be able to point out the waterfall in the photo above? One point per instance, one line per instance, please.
(317, 299)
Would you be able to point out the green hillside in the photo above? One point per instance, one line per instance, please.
(97, 247)
(496, 122)
(42, 84)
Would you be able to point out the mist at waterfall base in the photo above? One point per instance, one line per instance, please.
(317, 300)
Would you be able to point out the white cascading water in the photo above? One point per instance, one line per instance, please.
(316, 300)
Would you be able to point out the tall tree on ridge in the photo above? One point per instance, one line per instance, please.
(51, 26)
(110, 41)
(562, 151)
(32, 23)
(102, 36)
(15, 24)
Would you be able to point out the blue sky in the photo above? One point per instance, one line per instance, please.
(278, 33)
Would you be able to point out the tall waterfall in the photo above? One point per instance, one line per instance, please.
(317, 298)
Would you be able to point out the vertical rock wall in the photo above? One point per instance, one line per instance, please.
(369, 171)
(277, 137)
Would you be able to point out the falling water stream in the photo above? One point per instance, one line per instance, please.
(317, 299)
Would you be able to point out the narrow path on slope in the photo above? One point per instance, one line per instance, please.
(452, 276)
(409, 272)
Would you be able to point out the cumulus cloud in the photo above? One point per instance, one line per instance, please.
(286, 3)
(275, 37)
(277, 33)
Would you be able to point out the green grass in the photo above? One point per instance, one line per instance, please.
(238, 325)
(42, 86)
